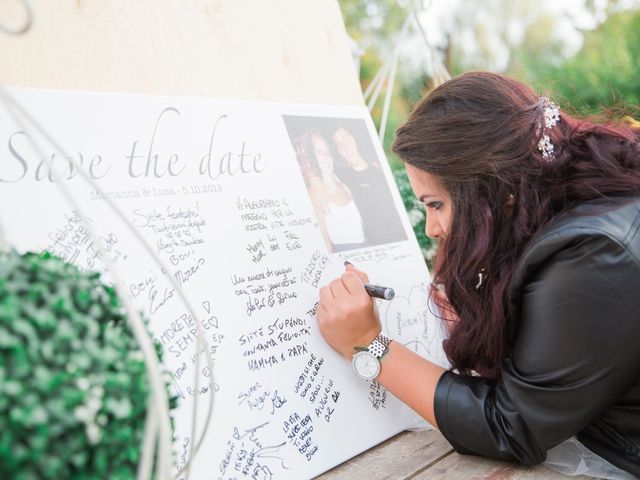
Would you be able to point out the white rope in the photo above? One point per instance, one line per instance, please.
(145, 466)
(387, 99)
(376, 80)
(4, 245)
(391, 81)
(386, 75)
(381, 82)
(439, 69)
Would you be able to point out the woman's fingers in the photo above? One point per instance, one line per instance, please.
(326, 297)
(353, 283)
(350, 268)
(339, 289)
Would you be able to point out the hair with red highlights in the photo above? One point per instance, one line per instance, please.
(477, 134)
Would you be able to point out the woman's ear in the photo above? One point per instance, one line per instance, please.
(511, 200)
(509, 204)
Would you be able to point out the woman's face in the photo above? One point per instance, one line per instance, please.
(428, 189)
(323, 154)
(346, 145)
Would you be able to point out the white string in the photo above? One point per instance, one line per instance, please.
(439, 70)
(387, 98)
(159, 395)
(391, 80)
(4, 245)
(381, 82)
(386, 75)
(376, 80)
(145, 465)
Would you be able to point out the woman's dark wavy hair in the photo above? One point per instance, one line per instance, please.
(477, 133)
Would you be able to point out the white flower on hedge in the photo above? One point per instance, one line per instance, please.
(94, 433)
(119, 408)
(83, 384)
(82, 413)
(86, 413)
(39, 416)
(415, 216)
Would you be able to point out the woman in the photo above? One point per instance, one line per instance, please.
(538, 218)
(338, 215)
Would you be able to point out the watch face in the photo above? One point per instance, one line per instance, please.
(366, 365)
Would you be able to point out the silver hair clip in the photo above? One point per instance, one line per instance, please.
(551, 118)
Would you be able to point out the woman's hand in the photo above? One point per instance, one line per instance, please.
(346, 315)
(347, 318)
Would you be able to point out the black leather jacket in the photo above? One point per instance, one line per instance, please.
(575, 363)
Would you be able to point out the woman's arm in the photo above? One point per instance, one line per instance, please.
(412, 379)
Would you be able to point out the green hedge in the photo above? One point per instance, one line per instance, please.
(416, 213)
(73, 383)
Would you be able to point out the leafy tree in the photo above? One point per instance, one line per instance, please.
(603, 74)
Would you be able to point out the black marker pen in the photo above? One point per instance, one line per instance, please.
(377, 291)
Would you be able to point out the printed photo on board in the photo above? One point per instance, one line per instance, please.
(346, 184)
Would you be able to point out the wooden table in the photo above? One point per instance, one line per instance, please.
(427, 455)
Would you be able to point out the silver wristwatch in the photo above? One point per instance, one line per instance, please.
(366, 362)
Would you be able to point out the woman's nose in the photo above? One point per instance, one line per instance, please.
(433, 229)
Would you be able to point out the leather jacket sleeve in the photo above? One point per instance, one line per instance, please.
(575, 354)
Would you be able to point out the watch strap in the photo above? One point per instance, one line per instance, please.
(380, 346)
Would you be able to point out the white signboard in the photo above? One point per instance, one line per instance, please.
(253, 206)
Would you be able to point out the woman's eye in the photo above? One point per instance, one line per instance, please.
(434, 205)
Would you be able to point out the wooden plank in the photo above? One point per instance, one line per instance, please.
(399, 457)
(277, 50)
(463, 467)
